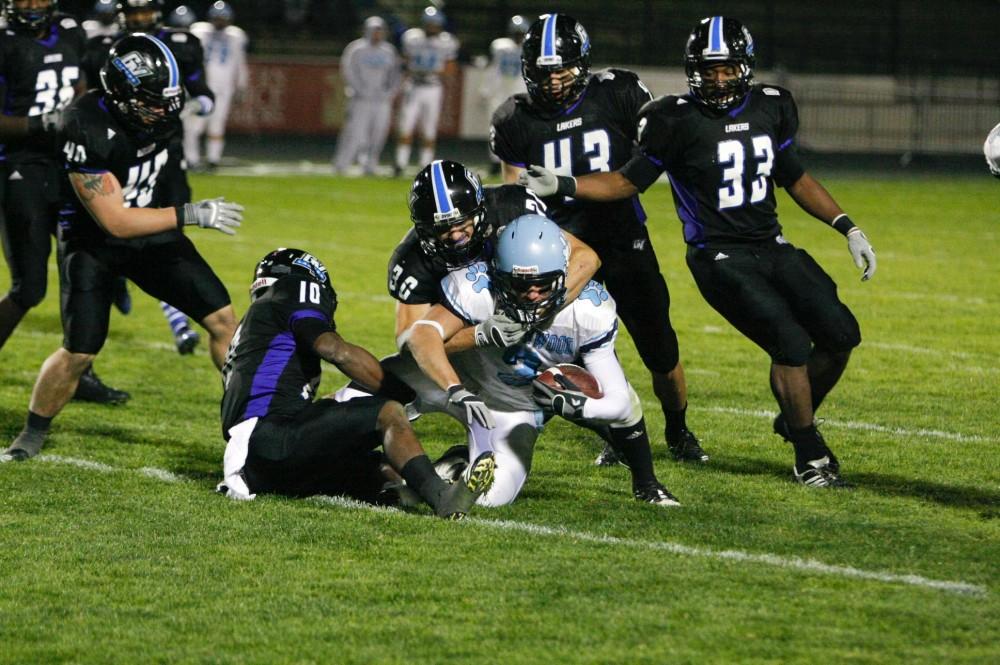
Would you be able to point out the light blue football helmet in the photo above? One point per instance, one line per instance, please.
(531, 251)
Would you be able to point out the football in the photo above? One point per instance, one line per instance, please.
(579, 377)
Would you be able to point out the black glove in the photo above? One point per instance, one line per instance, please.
(566, 401)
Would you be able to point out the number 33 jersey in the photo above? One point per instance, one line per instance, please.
(38, 76)
(95, 142)
(723, 167)
(595, 133)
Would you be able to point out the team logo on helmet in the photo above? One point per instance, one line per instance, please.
(133, 65)
(313, 265)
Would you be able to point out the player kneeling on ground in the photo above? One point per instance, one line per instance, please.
(280, 440)
(525, 281)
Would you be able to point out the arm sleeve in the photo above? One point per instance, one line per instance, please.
(652, 134)
(616, 404)
(787, 166)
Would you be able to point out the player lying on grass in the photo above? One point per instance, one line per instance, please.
(280, 440)
(526, 281)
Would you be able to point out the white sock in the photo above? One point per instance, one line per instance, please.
(426, 156)
(213, 149)
(402, 155)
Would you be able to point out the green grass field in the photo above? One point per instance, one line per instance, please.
(114, 549)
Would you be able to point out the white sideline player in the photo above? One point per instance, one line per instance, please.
(426, 52)
(525, 280)
(991, 150)
(225, 48)
(370, 67)
(103, 21)
(503, 76)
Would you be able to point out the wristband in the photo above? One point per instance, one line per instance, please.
(842, 223)
(565, 185)
(454, 388)
(179, 211)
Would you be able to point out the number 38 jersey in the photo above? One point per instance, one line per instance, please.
(95, 142)
(415, 278)
(271, 368)
(502, 377)
(723, 167)
(595, 133)
(38, 76)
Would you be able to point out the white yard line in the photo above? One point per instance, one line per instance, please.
(793, 563)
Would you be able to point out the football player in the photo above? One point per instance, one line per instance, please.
(455, 222)
(526, 281)
(40, 54)
(726, 145)
(102, 21)
(147, 16)
(575, 122)
(281, 441)
(503, 75)
(427, 51)
(112, 224)
(225, 48)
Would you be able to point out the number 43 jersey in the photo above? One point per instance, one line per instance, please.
(95, 142)
(38, 76)
(595, 133)
(723, 166)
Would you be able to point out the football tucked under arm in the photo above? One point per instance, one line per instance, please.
(565, 389)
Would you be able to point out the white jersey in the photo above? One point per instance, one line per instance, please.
(502, 377)
(95, 28)
(371, 71)
(505, 62)
(426, 56)
(225, 56)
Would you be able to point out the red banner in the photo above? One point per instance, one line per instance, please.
(307, 97)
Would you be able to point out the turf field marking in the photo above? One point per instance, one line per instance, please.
(793, 563)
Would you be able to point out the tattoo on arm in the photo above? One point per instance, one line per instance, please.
(91, 185)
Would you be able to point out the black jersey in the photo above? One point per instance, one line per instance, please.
(271, 368)
(185, 47)
(415, 278)
(39, 76)
(96, 142)
(723, 167)
(596, 133)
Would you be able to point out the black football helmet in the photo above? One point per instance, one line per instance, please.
(283, 262)
(29, 20)
(719, 40)
(555, 42)
(531, 252)
(140, 15)
(445, 194)
(142, 82)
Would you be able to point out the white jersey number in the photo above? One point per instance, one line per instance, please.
(732, 157)
(54, 89)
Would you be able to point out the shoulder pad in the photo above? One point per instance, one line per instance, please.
(506, 110)
(772, 90)
(68, 22)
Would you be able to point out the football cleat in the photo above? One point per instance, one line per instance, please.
(27, 444)
(819, 473)
(781, 428)
(186, 340)
(477, 479)
(92, 389)
(452, 463)
(608, 457)
(655, 493)
(686, 448)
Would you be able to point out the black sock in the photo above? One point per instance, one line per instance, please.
(38, 423)
(632, 444)
(420, 475)
(808, 445)
(676, 423)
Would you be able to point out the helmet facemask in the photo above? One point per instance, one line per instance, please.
(28, 20)
(719, 41)
(555, 44)
(511, 291)
(448, 211)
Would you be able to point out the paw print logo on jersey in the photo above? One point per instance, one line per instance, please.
(477, 275)
(595, 293)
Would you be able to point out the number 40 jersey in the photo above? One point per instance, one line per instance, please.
(96, 142)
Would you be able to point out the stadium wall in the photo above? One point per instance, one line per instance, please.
(838, 113)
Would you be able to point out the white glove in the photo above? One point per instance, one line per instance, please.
(862, 252)
(546, 183)
(500, 331)
(567, 402)
(472, 408)
(199, 106)
(216, 214)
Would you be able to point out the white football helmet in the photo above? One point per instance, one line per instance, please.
(991, 149)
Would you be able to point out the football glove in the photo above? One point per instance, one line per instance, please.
(200, 106)
(546, 183)
(215, 213)
(566, 401)
(862, 252)
(471, 408)
(501, 331)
